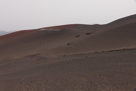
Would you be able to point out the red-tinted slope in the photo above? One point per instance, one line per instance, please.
(69, 38)
(70, 26)
(35, 41)
(16, 35)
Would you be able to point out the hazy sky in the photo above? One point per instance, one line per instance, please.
(29, 14)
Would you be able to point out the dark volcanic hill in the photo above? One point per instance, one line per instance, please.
(72, 57)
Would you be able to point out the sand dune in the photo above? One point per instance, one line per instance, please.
(117, 38)
(73, 57)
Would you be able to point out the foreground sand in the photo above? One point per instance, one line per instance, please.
(70, 58)
(106, 71)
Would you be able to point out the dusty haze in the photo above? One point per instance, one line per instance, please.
(30, 14)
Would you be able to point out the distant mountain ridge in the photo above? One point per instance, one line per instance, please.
(2, 32)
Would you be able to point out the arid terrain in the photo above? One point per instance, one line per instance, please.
(74, 57)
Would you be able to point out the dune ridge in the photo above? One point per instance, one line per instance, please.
(64, 41)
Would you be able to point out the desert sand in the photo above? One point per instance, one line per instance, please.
(73, 57)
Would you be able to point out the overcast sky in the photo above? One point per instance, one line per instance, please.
(29, 14)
